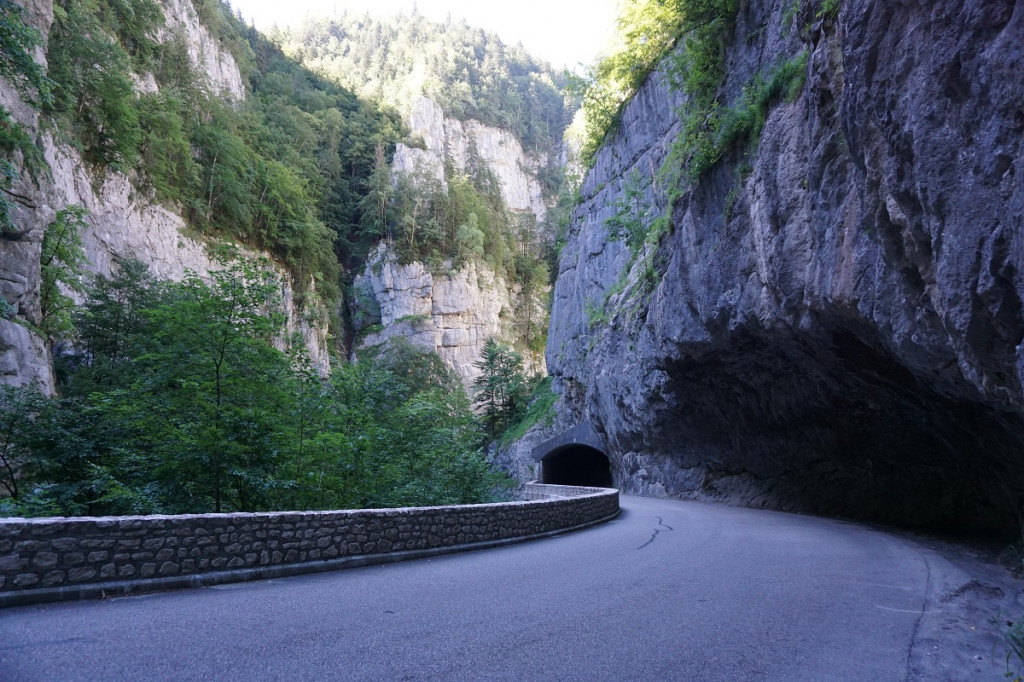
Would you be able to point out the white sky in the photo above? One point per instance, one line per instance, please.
(564, 32)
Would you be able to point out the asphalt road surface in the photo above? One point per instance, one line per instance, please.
(668, 591)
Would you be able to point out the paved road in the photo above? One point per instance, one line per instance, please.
(668, 591)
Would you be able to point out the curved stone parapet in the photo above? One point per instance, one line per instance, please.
(59, 558)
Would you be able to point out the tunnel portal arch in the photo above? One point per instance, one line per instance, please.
(577, 464)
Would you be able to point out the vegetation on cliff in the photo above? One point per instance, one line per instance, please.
(472, 74)
(284, 170)
(187, 397)
(179, 398)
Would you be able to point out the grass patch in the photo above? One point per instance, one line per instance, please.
(540, 410)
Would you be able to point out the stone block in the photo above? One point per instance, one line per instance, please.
(74, 558)
(108, 571)
(95, 557)
(47, 529)
(28, 546)
(237, 562)
(165, 555)
(59, 544)
(44, 560)
(12, 562)
(53, 578)
(219, 562)
(25, 579)
(169, 568)
(126, 571)
(147, 570)
(80, 574)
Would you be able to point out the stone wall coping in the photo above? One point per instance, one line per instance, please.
(302, 515)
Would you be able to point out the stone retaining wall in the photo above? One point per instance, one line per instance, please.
(56, 558)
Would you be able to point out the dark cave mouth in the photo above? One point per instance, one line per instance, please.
(848, 432)
(579, 465)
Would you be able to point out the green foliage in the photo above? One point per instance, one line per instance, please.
(634, 214)
(179, 400)
(92, 50)
(17, 65)
(61, 263)
(539, 410)
(707, 138)
(647, 32)
(829, 8)
(17, 42)
(469, 72)
(284, 171)
(502, 387)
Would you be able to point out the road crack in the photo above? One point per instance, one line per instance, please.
(657, 531)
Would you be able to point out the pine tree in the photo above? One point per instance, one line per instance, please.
(502, 387)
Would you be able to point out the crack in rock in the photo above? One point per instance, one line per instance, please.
(664, 526)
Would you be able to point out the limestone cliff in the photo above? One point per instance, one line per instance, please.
(122, 221)
(453, 313)
(448, 139)
(840, 330)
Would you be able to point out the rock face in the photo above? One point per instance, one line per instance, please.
(452, 314)
(449, 139)
(206, 54)
(455, 313)
(122, 223)
(841, 331)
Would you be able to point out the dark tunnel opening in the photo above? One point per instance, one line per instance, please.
(577, 465)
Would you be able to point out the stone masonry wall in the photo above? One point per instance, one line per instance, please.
(50, 559)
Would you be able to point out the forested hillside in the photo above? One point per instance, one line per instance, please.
(473, 184)
(192, 395)
(472, 74)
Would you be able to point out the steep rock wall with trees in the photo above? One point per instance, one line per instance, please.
(827, 316)
(464, 211)
(173, 127)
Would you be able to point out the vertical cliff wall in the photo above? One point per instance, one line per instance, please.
(840, 329)
(122, 221)
(453, 312)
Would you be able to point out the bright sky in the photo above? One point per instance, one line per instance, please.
(564, 32)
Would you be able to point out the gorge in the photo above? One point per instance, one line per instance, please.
(798, 288)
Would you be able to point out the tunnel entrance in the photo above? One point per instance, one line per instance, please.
(577, 465)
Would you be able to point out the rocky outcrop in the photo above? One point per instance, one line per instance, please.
(122, 221)
(452, 314)
(456, 312)
(841, 330)
(204, 50)
(446, 139)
